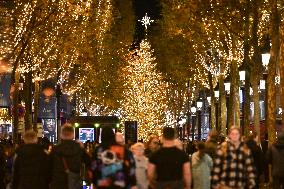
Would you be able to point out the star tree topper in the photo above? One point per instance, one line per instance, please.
(146, 21)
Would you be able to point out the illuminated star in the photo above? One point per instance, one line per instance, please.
(146, 21)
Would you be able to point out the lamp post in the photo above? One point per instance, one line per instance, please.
(227, 85)
(193, 119)
(216, 96)
(242, 75)
(265, 57)
(199, 105)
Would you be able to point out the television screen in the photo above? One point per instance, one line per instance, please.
(86, 134)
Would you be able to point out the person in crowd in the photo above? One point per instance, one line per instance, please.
(190, 148)
(169, 167)
(201, 167)
(275, 157)
(211, 144)
(258, 156)
(31, 165)
(113, 165)
(233, 165)
(119, 138)
(141, 163)
(67, 160)
(152, 146)
(2, 166)
(9, 155)
(264, 147)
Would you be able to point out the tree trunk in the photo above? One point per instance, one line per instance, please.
(223, 109)
(271, 88)
(256, 68)
(281, 67)
(28, 100)
(212, 109)
(246, 100)
(234, 99)
(36, 104)
(256, 117)
(15, 107)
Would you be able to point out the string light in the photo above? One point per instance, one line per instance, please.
(144, 94)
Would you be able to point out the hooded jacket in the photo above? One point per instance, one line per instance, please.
(31, 168)
(275, 156)
(74, 156)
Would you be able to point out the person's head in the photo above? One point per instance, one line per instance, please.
(234, 134)
(119, 138)
(213, 135)
(30, 137)
(138, 149)
(252, 136)
(107, 136)
(67, 132)
(153, 143)
(200, 147)
(169, 133)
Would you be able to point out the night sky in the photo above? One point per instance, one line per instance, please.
(141, 7)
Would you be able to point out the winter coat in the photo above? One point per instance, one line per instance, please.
(141, 172)
(31, 168)
(275, 156)
(2, 166)
(74, 156)
(258, 156)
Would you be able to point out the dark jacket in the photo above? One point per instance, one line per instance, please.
(2, 166)
(258, 156)
(275, 156)
(31, 168)
(74, 156)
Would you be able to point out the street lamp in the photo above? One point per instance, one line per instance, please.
(242, 74)
(216, 94)
(265, 56)
(193, 119)
(199, 104)
(209, 100)
(265, 59)
(193, 110)
(262, 84)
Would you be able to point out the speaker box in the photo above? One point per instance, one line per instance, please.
(130, 131)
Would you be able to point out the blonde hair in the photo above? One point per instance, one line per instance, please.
(137, 145)
(67, 131)
(235, 128)
(30, 137)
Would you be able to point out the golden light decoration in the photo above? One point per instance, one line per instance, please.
(144, 92)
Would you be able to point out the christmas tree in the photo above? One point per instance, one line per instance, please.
(144, 92)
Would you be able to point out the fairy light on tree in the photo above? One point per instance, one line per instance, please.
(144, 91)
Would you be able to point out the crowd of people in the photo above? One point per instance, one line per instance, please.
(161, 163)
